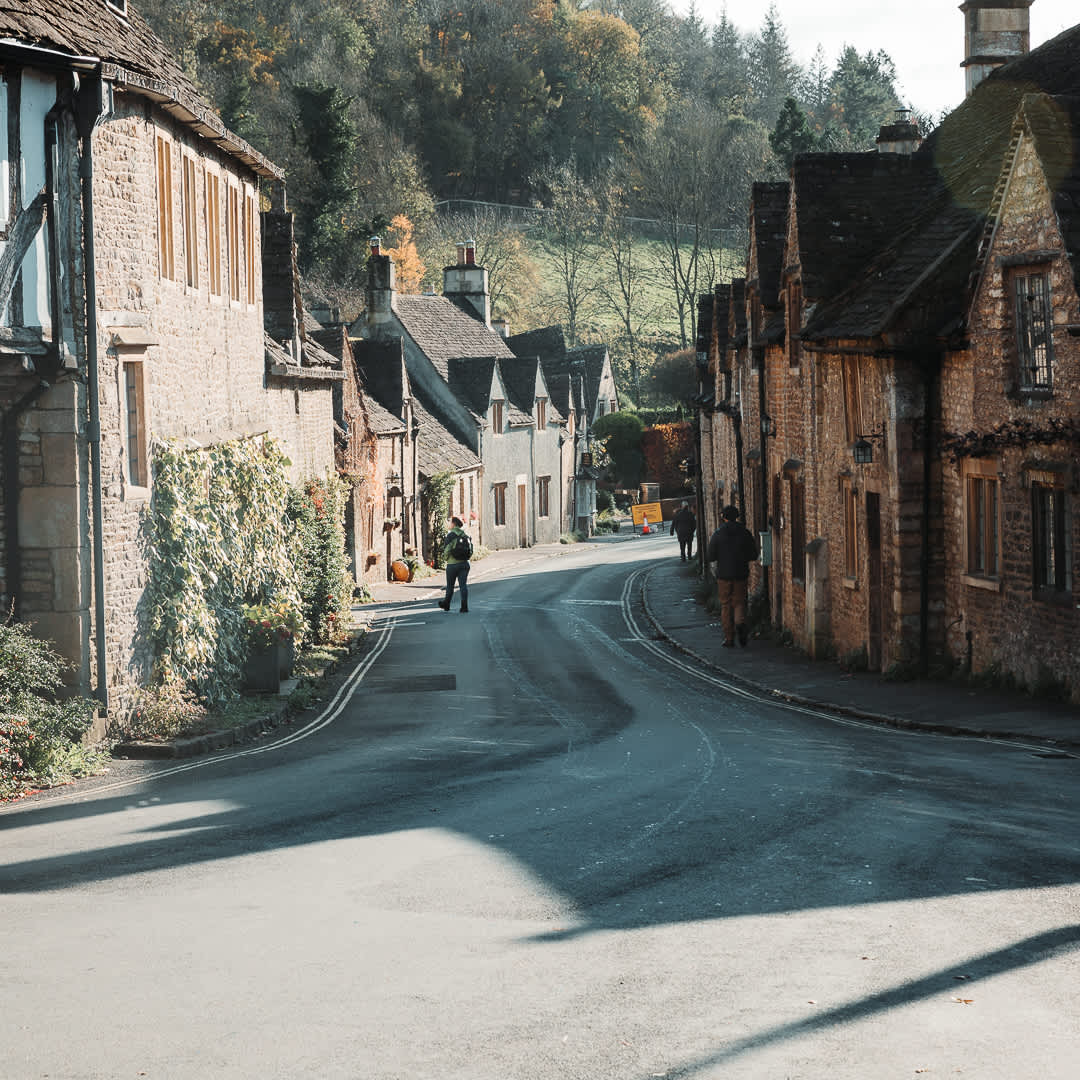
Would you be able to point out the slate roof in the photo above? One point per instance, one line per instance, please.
(920, 281)
(519, 377)
(381, 370)
(437, 449)
(442, 331)
(469, 378)
(593, 357)
(769, 209)
(130, 54)
(738, 307)
(549, 344)
(722, 294)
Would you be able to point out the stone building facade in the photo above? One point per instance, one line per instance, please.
(902, 364)
(134, 312)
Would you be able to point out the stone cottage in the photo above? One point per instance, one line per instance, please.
(133, 286)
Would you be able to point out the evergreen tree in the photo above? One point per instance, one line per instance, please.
(792, 134)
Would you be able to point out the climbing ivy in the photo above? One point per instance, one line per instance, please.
(219, 536)
(317, 510)
(437, 492)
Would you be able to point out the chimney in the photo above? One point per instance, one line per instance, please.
(901, 136)
(995, 32)
(380, 285)
(501, 327)
(281, 279)
(466, 285)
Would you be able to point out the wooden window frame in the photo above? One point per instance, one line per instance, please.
(232, 239)
(1033, 313)
(982, 509)
(794, 324)
(541, 414)
(853, 404)
(166, 238)
(543, 496)
(499, 494)
(601, 405)
(797, 526)
(136, 457)
(191, 221)
(250, 261)
(497, 417)
(212, 183)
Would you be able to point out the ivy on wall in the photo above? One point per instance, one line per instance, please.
(437, 492)
(317, 510)
(219, 536)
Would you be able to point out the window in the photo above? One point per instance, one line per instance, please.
(543, 490)
(461, 497)
(851, 524)
(232, 241)
(496, 417)
(249, 247)
(983, 538)
(472, 496)
(134, 425)
(166, 261)
(213, 232)
(1033, 325)
(1049, 534)
(601, 407)
(613, 405)
(853, 418)
(500, 504)
(541, 413)
(797, 497)
(191, 225)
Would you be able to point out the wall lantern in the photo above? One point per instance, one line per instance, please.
(863, 450)
(768, 426)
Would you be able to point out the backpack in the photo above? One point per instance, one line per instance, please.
(462, 549)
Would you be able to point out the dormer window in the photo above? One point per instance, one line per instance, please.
(1034, 321)
(119, 6)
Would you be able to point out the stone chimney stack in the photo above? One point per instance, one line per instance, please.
(281, 279)
(380, 285)
(995, 32)
(466, 284)
(901, 136)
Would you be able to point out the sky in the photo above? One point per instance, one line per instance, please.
(925, 38)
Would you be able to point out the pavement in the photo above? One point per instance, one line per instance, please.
(779, 672)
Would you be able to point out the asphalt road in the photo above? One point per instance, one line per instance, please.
(531, 843)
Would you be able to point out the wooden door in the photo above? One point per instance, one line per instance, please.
(523, 521)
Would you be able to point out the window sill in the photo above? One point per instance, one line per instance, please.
(990, 584)
(1054, 597)
(136, 493)
(850, 583)
(1031, 395)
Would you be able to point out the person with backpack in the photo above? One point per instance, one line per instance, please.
(457, 551)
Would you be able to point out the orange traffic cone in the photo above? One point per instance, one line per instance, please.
(644, 524)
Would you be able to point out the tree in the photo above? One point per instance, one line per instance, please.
(620, 433)
(862, 97)
(409, 269)
(570, 232)
(792, 134)
(773, 72)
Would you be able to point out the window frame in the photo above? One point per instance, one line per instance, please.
(131, 372)
(541, 414)
(190, 198)
(849, 493)
(797, 526)
(1050, 547)
(165, 206)
(1032, 334)
(543, 496)
(212, 184)
(982, 523)
(499, 494)
(497, 423)
(250, 261)
(232, 239)
(851, 372)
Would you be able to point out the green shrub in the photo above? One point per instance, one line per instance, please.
(40, 733)
(317, 510)
(164, 712)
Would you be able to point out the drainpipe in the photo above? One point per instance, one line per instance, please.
(763, 442)
(89, 107)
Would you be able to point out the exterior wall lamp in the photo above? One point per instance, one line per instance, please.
(863, 450)
(768, 426)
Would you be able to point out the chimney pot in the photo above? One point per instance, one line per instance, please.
(470, 252)
(376, 245)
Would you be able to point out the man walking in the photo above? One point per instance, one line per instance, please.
(457, 551)
(732, 547)
(684, 525)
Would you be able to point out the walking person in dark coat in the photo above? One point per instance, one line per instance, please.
(732, 547)
(684, 525)
(457, 564)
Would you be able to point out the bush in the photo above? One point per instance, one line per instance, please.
(40, 734)
(318, 510)
(165, 711)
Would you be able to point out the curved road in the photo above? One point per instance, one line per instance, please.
(534, 842)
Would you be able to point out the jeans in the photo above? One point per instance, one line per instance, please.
(459, 572)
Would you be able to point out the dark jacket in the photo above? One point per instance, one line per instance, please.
(684, 523)
(732, 547)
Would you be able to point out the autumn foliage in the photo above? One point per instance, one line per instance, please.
(664, 448)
